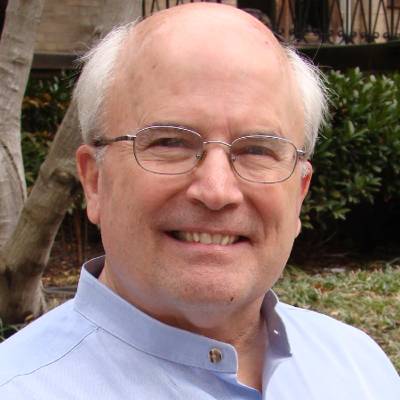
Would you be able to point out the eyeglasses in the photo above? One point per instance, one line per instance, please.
(172, 150)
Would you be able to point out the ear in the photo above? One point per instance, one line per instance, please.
(88, 171)
(306, 175)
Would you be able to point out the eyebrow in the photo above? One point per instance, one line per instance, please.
(270, 132)
(250, 132)
(171, 124)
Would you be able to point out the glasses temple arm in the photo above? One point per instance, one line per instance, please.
(101, 142)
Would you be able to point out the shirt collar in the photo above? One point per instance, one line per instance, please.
(113, 314)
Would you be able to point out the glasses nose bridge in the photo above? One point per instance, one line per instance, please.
(217, 142)
(201, 156)
(205, 143)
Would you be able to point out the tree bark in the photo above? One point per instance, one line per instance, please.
(25, 255)
(16, 53)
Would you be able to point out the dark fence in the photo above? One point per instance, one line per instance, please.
(317, 21)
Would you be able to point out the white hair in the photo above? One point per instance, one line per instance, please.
(313, 94)
(96, 77)
(98, 71)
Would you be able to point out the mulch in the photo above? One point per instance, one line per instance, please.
(61, 275)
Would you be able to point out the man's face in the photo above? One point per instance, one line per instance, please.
(223, 82)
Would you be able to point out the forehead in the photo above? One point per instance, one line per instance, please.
(173, 63)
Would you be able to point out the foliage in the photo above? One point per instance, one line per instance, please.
(357, 159)
(367, 299)
(43, 108)
(7, 330)
(35, 147)
(45, 103)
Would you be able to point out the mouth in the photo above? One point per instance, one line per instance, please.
(207, 238)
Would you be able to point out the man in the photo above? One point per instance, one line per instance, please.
(197, 125)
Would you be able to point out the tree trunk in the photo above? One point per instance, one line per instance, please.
(16, 53)
(24, 257)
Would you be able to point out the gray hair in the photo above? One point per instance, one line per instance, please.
(99, 65)
(95, 79)
(314, 96)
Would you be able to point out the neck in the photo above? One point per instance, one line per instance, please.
(251, 357)
(245, 330)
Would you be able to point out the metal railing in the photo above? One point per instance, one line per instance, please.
(319, 21)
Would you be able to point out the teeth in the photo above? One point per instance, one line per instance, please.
(206, 238)
(216, 239)
(225, 240)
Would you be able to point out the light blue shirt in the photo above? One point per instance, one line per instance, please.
(98, 346)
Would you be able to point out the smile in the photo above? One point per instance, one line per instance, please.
(206, 238)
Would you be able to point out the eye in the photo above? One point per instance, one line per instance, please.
(169, 142)
(258, 150)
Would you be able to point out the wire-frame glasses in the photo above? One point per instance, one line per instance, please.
(173, 150)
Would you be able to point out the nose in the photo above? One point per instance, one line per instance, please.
(214, 184)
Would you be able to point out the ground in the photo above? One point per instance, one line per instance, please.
(62, 273)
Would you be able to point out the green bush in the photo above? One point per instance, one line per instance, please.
(357, 158)
(43, 108)
(45, 103)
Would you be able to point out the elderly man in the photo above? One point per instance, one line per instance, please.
(198, 126)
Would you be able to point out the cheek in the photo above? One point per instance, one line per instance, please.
(131, 199)
(123, 229)
(117, 198)
(278, 207)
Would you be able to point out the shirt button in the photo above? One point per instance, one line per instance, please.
(215, 355)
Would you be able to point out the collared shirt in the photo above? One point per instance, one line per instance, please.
(98, 346)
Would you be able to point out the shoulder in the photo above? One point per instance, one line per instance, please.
(308, 325)
(331, 345)
(43, 342)
(300, 318)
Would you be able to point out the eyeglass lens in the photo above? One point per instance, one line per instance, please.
(172, 150)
